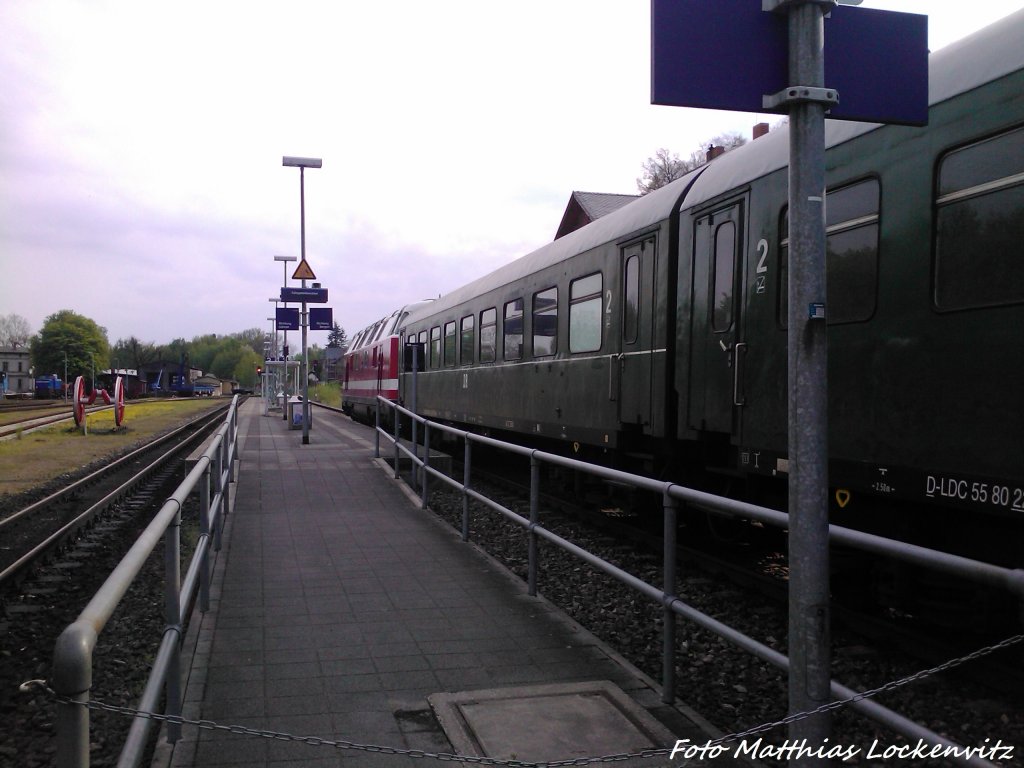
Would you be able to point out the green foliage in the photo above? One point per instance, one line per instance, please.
(81, 339)
(132, 353)
(337, 337)
(328, 393)
(244, 371)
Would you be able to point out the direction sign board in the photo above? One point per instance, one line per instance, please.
(287, 319)
(321, 319)
(304, 295)
(729, 54)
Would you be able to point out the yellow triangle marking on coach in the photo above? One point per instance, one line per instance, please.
(303, 272)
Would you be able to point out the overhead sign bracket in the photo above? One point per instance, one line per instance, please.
(796, 94)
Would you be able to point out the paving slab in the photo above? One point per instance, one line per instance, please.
(340, 610)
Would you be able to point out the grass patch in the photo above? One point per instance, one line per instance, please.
(326, 393)
(38, 457)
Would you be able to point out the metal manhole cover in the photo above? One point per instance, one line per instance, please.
(548, 722)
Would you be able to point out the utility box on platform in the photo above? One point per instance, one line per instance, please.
(295, 413)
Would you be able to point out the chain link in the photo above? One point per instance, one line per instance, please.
(317, 741)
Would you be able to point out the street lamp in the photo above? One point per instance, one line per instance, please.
(284, 264)
(302, 163)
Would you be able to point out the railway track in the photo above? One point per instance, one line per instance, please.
(39, 528)
(56, 553)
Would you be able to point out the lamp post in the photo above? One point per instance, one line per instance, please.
(284, 264)
(302, 163)
(273, 345)
(65, 377)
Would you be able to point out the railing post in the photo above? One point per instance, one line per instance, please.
(221, 490)
(467, 461)
(668, 616)
(398, 453)
(426, 464)
(230, 436)
(72, 678)
(415, 449)
(531, 540)
(376, 431)
(204, 530)
(172, 614)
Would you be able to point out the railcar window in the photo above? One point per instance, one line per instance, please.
(631, 303)
(725, 269)
(449, 343)
(513, 334)
(851, 254)
(980, 224)
(545, 322)
(585, 296)
(468, 338)
(488, 334)
(435, 347)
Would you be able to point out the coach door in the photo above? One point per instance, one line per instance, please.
(635, 360)
(717, 347)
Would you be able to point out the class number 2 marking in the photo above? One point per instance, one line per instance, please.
(761, 286)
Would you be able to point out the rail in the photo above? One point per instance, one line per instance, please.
(672, 495)
(73, 655)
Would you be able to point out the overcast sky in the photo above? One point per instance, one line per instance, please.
(140, 146)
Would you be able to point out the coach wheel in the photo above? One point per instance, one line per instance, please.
(79, 401)
(119, 401)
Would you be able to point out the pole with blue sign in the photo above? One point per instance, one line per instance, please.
(303, 272)
(809, 613)
(782, 44)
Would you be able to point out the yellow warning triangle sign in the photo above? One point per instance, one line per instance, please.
(303, 272)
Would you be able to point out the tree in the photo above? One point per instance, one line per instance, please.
(664, 167)
(14, 331)
(245, 369)
(131, 353)
(81, 339)
(252, 338)
(337, 337)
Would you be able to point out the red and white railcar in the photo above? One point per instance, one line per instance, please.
(372, 364)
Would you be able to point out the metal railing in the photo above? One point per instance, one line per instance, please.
(672, 495)
(73, 655)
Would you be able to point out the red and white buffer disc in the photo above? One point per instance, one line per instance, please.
(119, 401)
(78, 403)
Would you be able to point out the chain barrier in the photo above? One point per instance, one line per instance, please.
(316, 741)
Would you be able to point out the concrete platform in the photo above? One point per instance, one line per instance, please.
(342, 611)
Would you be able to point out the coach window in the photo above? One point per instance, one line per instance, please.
(545, 322)
(980, 204)
(631, 305)
(513, 333)
(585, 313)
(468, 338)
(435, 347)
(725, 263)
(488, 333)
(851, 254)
(449, 343)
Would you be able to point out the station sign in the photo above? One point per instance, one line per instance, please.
(321, 319)
(288, 319)
(304, 295)
(730, 54)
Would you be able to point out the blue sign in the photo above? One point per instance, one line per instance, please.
(288, 319)
(304, 295)
(728, 54)
(321, 319)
